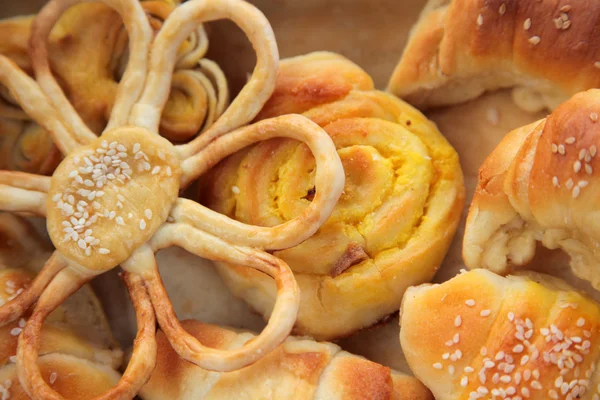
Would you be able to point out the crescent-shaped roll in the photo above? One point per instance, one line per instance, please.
(540, 184)
(298, 369)
(483, 336)
(393, 223)
(546, 50)
(88, 50)
(79, 356)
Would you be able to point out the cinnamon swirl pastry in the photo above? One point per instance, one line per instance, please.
(394, 222)
(89, 70)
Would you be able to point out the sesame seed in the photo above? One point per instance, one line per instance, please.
(569, 184)
(148, 213)
(437, 365)
(576, 191)
(13, 359)
(53, 377)
(593, 150)
(457, 321)
(554, 148)
(527, 24)
(235, 189)
(464, 381)
(480, 20)
(485, 313)
(518, 348)
(470, 302)
(451, 369)
(561, 149)
(511, 316)
(536, 385)
(142, 224)
(565, 8)
(577, 166)
(155, 170)
(469, 369)
(15, 331)
(483, 351)
(581, 322)
(570, 140)
(555, 181)
(136, 147)
(534, 40)
(588, 169)
(169, 172)
(456, 338)
(582, 154)
(502, 9)
(505, 378)
(594, 116)
(582, 183)
(102, 250)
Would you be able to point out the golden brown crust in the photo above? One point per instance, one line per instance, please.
(539, 185)
(460, 48)
(297, 369)
(521, 335)
(386, 227)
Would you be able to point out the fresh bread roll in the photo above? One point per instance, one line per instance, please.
(88, 51)
(539, 185)
(79, 356)
(298, 369)
(482, 336)
(545, 50)
(393, 223)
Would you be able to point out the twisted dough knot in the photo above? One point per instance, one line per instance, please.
(539, 185)
(394, 221)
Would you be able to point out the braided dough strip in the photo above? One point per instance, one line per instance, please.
(202, 244)
(143, 359)
(34, 102)
(131, 85)
(182, 21)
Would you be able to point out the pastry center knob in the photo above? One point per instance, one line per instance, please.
(108, 198)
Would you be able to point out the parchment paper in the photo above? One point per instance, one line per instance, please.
(372, 34)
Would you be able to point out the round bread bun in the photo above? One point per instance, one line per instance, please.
(394, 222)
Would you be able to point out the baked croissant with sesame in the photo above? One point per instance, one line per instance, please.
(528, 336)
(79, 356)
(89, 71)
(393, 223)
(544, 50)
(298, 369)
(538, 185)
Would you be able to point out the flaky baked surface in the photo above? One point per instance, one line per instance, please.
(540, 185)
(394, 222)
(547, 50)
(480, 335)
(298, 369)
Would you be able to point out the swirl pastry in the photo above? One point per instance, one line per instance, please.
(538, 185)
(546, 51)
(76, 367)
(298, 369)
(394, 222)
(114, 199)
(89, 70)
(520, 337)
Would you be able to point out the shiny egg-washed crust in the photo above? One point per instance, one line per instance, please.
(547, 50)
(394, 222)
(297, 369)
(529, 335)
(539, 184)
(89, 71)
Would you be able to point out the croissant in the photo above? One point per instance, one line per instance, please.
(79, 356)
(394, 222)
(546, 51)
(538, 186)
(299, 368)
(90, 69)
(520, 337)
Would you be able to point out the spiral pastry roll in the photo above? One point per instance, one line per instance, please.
(88, 54)
(392, 226)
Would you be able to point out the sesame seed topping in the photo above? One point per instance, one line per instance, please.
(102, 250)
(588, 169)
(527, 24)
(554, 148)
(502, 9)
(569, 184)
(593, 150)
(437, 365)
(148, 213)
(480, 20)
(576, 191)
(534, 40)
(581, 322)
(561, 149)
(555, 181)
(142, 224)
(235, 189)
(52, 378)
(594, 116)
(457, 321)
(470, 302)
(485, 313)
(15, 331)
(577, 166)
(464, 381)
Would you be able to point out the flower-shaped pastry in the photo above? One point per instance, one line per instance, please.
(114, 198)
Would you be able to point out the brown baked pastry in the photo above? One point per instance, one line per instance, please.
(298, 369)
(114, 199)
(394, 222)
(520, 337)
(79, 356)
(546, 50)
(538, 185)
(89, 71)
